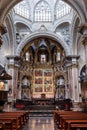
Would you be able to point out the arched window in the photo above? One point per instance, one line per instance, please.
(62, 9)
(42, 12)
(22, 9)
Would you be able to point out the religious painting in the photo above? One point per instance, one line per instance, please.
(47, 88)
(38, 81)
(48, 81)
(43, 58)
(38, 72)
(48, 72)
(38, 88)
(43, 80)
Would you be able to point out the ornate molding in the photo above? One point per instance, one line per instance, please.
(71, 60)
(41, 34)
(2, 29)
(42, 28)
(13, 60)
(83, 29)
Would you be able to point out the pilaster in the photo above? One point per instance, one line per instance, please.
(83, 31)
(13, 66)
(72, 85)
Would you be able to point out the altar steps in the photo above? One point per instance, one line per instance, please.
(41, 113)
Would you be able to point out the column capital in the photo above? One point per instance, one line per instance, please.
(13, 60)
(71, 57)
(71, 60)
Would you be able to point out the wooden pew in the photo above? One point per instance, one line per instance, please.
(20, 118)
(64, 115)
(58, 113)
(2, 125)
(80, 126)
(6, 124)
(77, 123)
(15, 125)
(73, 117)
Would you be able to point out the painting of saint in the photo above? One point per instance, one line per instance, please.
(38, 72)
(48, 88)
(48, 72)
(38, 88)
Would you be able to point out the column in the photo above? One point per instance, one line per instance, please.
(83, 31)
(13, 66)
(72, 85)
(75, 85)
(68, 87)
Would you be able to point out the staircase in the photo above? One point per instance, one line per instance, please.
(41, 110)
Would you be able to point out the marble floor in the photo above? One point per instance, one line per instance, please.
(40, 123)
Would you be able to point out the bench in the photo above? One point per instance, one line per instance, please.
(61, 118)
(19, 117)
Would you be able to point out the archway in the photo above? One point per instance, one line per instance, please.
(42, 34)
(83, 80)
(40, 57)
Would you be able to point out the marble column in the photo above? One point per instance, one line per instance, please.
(13, 66)
(75, 86)
(83, 31)
(72, 68)
(68, 87)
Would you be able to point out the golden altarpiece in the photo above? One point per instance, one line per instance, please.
(41, 70)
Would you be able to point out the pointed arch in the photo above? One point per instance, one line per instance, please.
(61, 9)
(42, 12)
(23, 9)
(47, 34)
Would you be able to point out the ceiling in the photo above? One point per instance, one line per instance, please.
(79, 5)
